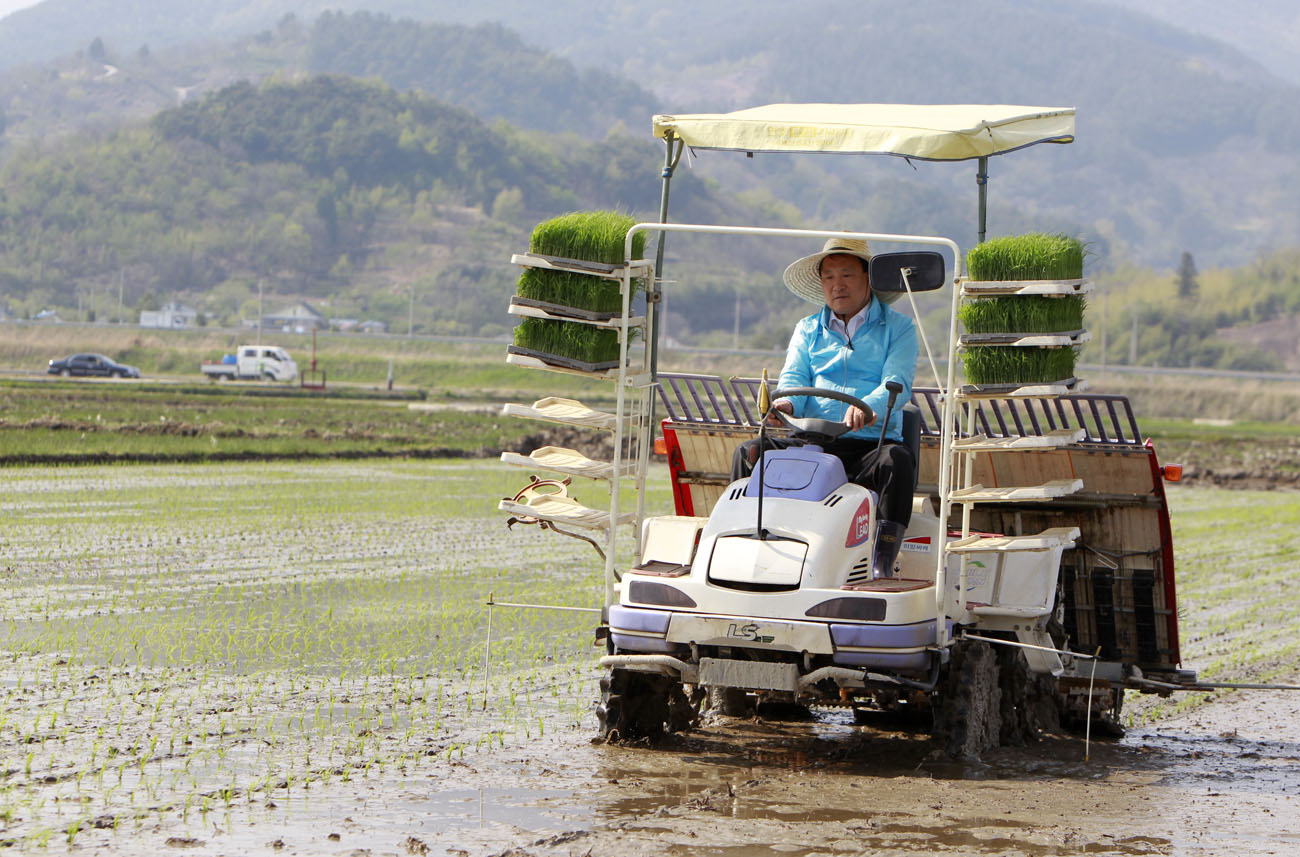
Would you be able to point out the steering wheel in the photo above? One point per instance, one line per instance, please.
(814, 429)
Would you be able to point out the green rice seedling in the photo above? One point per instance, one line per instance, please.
(568, 339)
(1011, 365)
(565, 288)
(1035, 256)
(1028, 314)
(593, 236)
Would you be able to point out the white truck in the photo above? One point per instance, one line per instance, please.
(253, 363)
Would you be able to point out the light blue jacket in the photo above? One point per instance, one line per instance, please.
(883, 349)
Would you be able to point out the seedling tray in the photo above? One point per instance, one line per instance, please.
(565, 311)
(562, 362)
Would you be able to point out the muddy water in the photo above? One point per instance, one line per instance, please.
(1223, 780)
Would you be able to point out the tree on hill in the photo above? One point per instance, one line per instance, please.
(325, 189)
(1187, 285)
(355, 133)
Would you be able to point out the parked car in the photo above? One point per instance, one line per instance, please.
(92, 364)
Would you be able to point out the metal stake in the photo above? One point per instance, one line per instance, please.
(487, 650)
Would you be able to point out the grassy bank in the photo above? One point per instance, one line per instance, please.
(442, 369)
(1252, 435)
(93, 422)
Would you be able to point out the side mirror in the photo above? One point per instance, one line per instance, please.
(925, 271)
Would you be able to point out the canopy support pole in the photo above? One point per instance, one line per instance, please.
(982, 179)
(673, 148)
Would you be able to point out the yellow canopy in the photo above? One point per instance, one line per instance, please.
(932, 132)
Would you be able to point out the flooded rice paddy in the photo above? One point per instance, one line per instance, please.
(290, 659)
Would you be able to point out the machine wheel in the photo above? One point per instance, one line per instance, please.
(642, 705)
(967, 707)
(730, 701)
(65, 373)
(1031, 703)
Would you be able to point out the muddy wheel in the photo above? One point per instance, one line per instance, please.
(642, 705)
(1031, 703)
(1107, 704)
(967, 707)
(730, 701)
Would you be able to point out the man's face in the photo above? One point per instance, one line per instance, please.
(844, 285)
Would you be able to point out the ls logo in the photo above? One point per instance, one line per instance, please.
(748, 632)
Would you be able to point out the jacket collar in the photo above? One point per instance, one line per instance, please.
(875, 313)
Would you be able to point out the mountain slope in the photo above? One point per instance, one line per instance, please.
(344, 192)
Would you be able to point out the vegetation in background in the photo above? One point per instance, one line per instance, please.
(78, 422)
(206, 227)
(1221, 327)
(484, 68)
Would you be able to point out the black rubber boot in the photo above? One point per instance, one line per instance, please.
(889, 539)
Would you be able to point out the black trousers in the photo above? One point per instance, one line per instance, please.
(890, 471)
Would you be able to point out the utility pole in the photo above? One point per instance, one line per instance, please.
(121, 275)
(259, 310)
(1133, 342)
(410, 314)
(1103, 333)
(735, 325)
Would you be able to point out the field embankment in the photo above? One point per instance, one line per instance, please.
(446, 399)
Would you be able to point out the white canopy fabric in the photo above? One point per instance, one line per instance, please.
(932, 132)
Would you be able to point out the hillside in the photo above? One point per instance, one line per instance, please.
(358, 196)
(485, 69)
(346, 193)
(1267, 30)
(1184, 143)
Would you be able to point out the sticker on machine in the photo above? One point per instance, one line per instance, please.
(860, 527)
(920, 544)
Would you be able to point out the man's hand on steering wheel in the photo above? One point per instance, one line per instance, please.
(813, 429)
(856, 419)
(784, 406)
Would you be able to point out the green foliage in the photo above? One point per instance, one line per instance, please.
(568, 339)
(485, 68)
(326, 189)
(1036, 256)
(1028, 314)
(368, 134)
(593, 236)
(1188, 288)
(211, 422)
(989, 364)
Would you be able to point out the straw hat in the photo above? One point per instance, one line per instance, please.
(803, 278)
